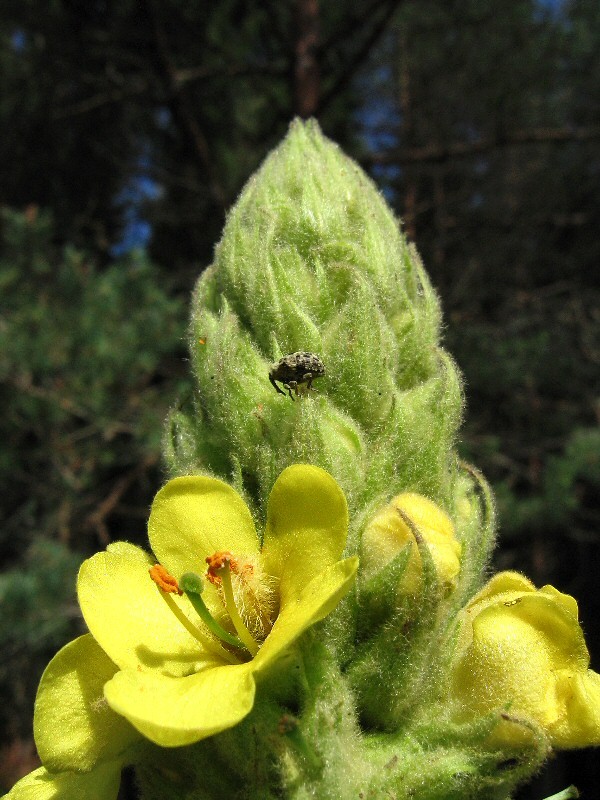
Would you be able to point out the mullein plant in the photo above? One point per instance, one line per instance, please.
(314, 619)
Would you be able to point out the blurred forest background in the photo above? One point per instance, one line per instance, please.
(128, 129)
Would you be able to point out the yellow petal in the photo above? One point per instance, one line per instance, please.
(132, 550)
(193, 517)
(501, 583)
(178, 711)
(551, 616)
(100, 784)
(565, 600)
(579, 723)
(507, 663)
(318, 598)
(73, 726)
(307, 525)
(130, 620)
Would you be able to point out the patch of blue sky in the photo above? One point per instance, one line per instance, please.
(481, 166)
(18, 40)
(378, 117)
(476, 200)
(387, 177)
(163, 117)
(136, 232)
(555, 9)
(136, 235)
(141, 189)
(379, 121)
(553, 5)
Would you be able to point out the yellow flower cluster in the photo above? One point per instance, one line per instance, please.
(149, 669)
(522, 650)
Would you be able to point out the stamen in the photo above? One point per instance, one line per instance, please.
(253, 591)
(255, 596)
(219, 570)
(193, 587)
(167, 583)
(164, 580)
(216, 562)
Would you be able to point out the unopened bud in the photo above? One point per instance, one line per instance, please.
(389, 532)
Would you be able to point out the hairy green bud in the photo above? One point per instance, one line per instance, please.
(313, 260)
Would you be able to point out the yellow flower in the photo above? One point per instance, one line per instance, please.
(101, 784)
(522, 650)
(82, 743)
(176, 680)
(151, 667)
(389, 532)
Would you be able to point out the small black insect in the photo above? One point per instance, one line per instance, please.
(297, 369)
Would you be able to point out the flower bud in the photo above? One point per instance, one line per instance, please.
(522, 652)
(388, 533)
(312, 261)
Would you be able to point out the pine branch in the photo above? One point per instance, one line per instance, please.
(356, 59)
(433, 153)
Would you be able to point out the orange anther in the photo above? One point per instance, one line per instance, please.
(217, 561)
(164, 580)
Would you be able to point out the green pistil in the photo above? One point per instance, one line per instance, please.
(205, 641)
(192, 585)
(238, 623)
